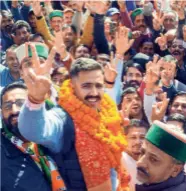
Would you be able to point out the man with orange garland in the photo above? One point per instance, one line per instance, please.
(84, 133)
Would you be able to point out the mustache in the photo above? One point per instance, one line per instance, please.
(142, 26)
(134, 82)
(24, 39)
(137, 145)
(95, 97)
(8, 27)
(176, 52)
(11, 117)
(143, 171)
(13, 128)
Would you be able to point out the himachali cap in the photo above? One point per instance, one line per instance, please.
(41, 49)
(136, 12)
(55, 13)
(168, 140)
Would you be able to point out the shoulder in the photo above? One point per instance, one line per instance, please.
(8, 152)
(3, 68)
(61, 114)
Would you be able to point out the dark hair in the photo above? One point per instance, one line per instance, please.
(12, 86)
(136, 123)
(31, 12)
(84, 64)
(181, 39)
(5, 13)
(60, 70)
(19, 25)
(84, 45)
(34, 36)
(103, 55)
(179, 118)
(129, 90)
(146, 40)
(132, 64)
(133, 90)
(180, 93)
(65, 26)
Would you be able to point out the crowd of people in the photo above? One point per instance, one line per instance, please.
(93, 95)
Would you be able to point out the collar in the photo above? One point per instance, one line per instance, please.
(169, 184)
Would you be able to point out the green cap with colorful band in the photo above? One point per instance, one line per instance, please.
(41, 49)
(55, 13)
(136, 12)
(167, 142)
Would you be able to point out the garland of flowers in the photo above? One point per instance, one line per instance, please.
(104, 126)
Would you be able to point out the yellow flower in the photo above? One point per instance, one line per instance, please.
(104, 126)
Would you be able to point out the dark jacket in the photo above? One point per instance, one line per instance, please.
(172, 184)
(18, 170)
(6, 40)
(181, 72)
(99, 35)
(67, 159)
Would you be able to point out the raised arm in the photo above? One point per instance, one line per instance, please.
(125, 18)
(15, 9)
(41, 23)
(42, 126)
(99, 31)
(35, 123)
(78, 15)
(113, 72)
(25, 10)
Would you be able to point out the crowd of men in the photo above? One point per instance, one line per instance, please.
(93, 95)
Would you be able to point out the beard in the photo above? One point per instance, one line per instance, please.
(132, 83)
(12, 127)
(8, 28)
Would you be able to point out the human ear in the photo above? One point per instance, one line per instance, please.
(177, 169)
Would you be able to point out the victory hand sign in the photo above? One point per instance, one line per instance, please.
(35, 77)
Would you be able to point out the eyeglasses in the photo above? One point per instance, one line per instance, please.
(8, 105)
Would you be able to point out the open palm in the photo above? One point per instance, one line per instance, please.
(123, 43)
(110, 71)
(37, 8)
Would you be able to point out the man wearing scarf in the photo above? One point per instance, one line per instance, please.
(84, 134)
(24, 165)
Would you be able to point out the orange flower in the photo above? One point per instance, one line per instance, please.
(103, 126)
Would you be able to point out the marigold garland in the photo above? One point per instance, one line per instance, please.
(104, 126)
